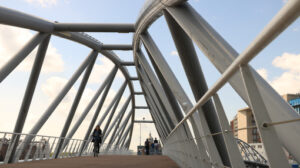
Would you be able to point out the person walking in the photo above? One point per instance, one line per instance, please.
(97, 139)
(147, 146)
(155, 146)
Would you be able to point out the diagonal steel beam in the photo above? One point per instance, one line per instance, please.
(198, 121)
(90, 105)
(116, 103)
(121, 129)
(95, 116)
(222, 55)
(21, 55)
(31, 85)
(54, 104)
(75, 103)
(193, 71)
(121, 112)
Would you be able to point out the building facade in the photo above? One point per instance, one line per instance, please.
(245, 119)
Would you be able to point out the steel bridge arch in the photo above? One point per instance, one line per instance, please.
(208, 142)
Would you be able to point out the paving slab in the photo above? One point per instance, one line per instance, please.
(105, 161)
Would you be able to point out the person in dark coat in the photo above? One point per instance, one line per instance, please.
(97, 139)
(147, 146)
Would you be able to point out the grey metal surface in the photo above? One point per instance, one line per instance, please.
(99, 107)
(199, 124)
(122, 128)
(113, 123)
(112, 112)
(274, 150)
(193, 71)
(116, 47)
(91, 103)
(94, 27)
(76, 101)
(234, 155)
(201, 137)
(20, 55)
(31, 85)
(216, 45)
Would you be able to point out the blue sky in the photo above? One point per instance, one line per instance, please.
(238, 22)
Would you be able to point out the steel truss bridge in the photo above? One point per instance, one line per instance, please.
(193, 135)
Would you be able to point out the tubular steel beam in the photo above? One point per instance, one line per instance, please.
(133, 78)
(273, 148)
(118, 120)
(99, 107)
(172, 107)
(31, 85)
(94, 27)
(143, 121)
(109, 108)
(114, 108)
(236, 160)
(122, 128)
(19, 19)
(113, 124)
(125, 135)
(127, 63)
(154, 101)
(212, 44)
(54, 104)
(139, 93)
(116, 47)
(193, 71)
(141, 107)
(75, 103)
(157, 87)
(156, 111)
(21, 55)
(90, 105)
(198, 121)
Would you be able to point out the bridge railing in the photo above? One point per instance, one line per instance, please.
(42, 147)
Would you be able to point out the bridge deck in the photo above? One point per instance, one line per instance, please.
(107, 161)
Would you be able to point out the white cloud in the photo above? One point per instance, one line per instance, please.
(288, 61)
(174, 53)
(288, 81)
(12, 39)
(263, 72)
(100, 71)
(43, 3)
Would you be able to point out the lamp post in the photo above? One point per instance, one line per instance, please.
(141, 132)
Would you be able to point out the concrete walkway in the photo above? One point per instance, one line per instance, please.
(109, 161)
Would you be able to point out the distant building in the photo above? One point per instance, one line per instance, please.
(293, 100)
(245, 119)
